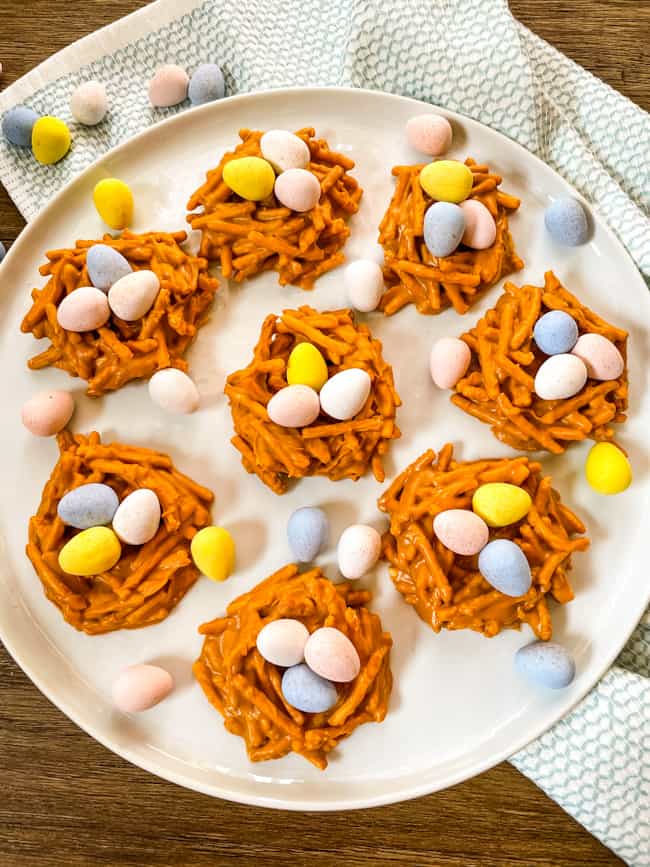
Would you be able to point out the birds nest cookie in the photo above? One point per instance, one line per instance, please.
(120, 309)
(445, 236)
(283, 644)
(480, 545)
(317, 399)
(99, 581)
(278, 202)
(544, 370)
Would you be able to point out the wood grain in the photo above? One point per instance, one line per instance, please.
(68, 802)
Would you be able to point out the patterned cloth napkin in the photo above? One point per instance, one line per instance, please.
(466, 55)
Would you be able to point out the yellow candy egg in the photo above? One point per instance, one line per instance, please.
(500, 504)
(447, 181)
(114, 202)
(252, 178)
(90, 552)
(607, 469)
(213, 552)
(50, 139)
(307, 366)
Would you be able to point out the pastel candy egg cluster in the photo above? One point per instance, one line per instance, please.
(213, 552)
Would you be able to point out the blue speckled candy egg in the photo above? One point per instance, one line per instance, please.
(546, 663)
(91, 505)
(556, 332)
(307, 532)
(504, 565)
(444, 224)
(307, 691)
(105, 266)
(206, 84)
(566, 222)
(17, 125)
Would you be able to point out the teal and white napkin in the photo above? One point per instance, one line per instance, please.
(467, 55)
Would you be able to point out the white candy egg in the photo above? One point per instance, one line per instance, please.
(294, 406)
(88, 103)
(132, 295)
(174, 391)
(84, 309)
(297, 189)
(600, 356)
(364, 281)
(345, 393)
(284, 150)
(330, 654)
(560, 376)
(140, 687)
(282, 642)
(358, 550)
(137, 518)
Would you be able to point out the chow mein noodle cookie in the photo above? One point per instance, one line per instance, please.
(246, 689)
(413, 275)
(147, 581)
(119, 351)
(248, 237)
(327, 447)
(447, 589)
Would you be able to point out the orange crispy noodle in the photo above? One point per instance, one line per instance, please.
(250, 237)
(498, 388)
(120, 351)
(246, 689)
(148, 580)
(337, 449)
(446, 589)
(414, 276)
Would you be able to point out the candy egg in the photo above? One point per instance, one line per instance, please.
(358, 550)
(294, 406)
(429, 133)
(284, 150)
(168, 86)
(444, 225)
(461, 531)
(213, 552)
(114, 202)
(17, 125)
(500, 503)
(546, 663)
(607, 469)
(174, 391)
(282, 642)
(88, 103)
(133, 295)
(84, 309)
(91, 505)
(251, 178)
(345, 394)
(306, 366)
(105, 266)
(297, 189)
(47, 412)
(306, 691)
(566, 222)
(307, 533)
(504, 565)
(480, 228)
(206, 84)
(3, 251)
(450, 358)
(50, 140)
(140, 687)
(137, 518)
(556, 332)
(600, 356)
(447, 181)
(364, 281)
(331, 654)
(90, 552)
(560, 376)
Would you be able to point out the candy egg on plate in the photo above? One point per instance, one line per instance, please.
(174, 391)
(84, 309)
(607, 469)
(331, 654)
(213, 552)
(140, 687)
(297, 189)
(566, 222)
(282, 642)
(358, 550)
(560, 376)
(307, 533)
(105, 266)
(294, 406)
(306, 366)
(284, 150)
(500, 503)
(305, 690)
(429, 133)
(480, 228)
(133, 295)
(90, 552)
(449, 360)
(556, 332)
(444, 224)
(345, 393)
(90, 505)
(47, 412)
(504, 565)
(546, 663)
(364, 281)
(462, 531)
(168, 86)
(114, 202)
(137, 518)
(600, 356)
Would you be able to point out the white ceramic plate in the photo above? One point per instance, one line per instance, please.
(457, 707)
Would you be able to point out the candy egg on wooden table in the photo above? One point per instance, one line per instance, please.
(105, 266)
(600, 356)
(429, 134)
(307, 366)
(331, 654)
(447, 181)
(50, 139)
(282, 642)
(137, 518)
(444, 224)
(546, 663)
(17, 125)
(133, 295)
(252, 178)
(555, 332)
(305, 690)
(47, 412)
(294, 406)
(307, 533)
(566, 222)
(345, 393)
(607, 469)
(560, 376)
(462, 531)
(140, 687)
(297, 189)
(206, 84)
(500, 503)
(89, 103)
(358, 550)
(364, 281)
(168, 86)
(90, 552)
(213, 552)
(504, 565)
(449, 360)
(173, 390)
(480, 228)
(284, 150)
(90, 505)
(84, 309)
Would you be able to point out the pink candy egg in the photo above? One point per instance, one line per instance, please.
(294, 406)
(601, 357)
(297, 189)
(84, 309)
(140, 687)
(168, 86)
(47, 412)
(429, 133)
(480, 228)
(450, 358)
(462, 531)
(332, 655)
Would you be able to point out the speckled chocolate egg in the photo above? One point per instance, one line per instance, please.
(282, 642)
(600, 356)
(140, 687)
(462, 531)
(449, 360)
(560, 376)
(47, 412)
(284, 150)
(429, 134)
(84, 309)
(480, 228)
(133, 295)
(345, 393)
(358, 550)
(174, 391)
(168, 86)
(294, 406)
(137, 518)
(297, 189)
(331, 654)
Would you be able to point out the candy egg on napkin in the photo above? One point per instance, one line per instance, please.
(429, 133)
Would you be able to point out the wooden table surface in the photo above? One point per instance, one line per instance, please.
(68, 801)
